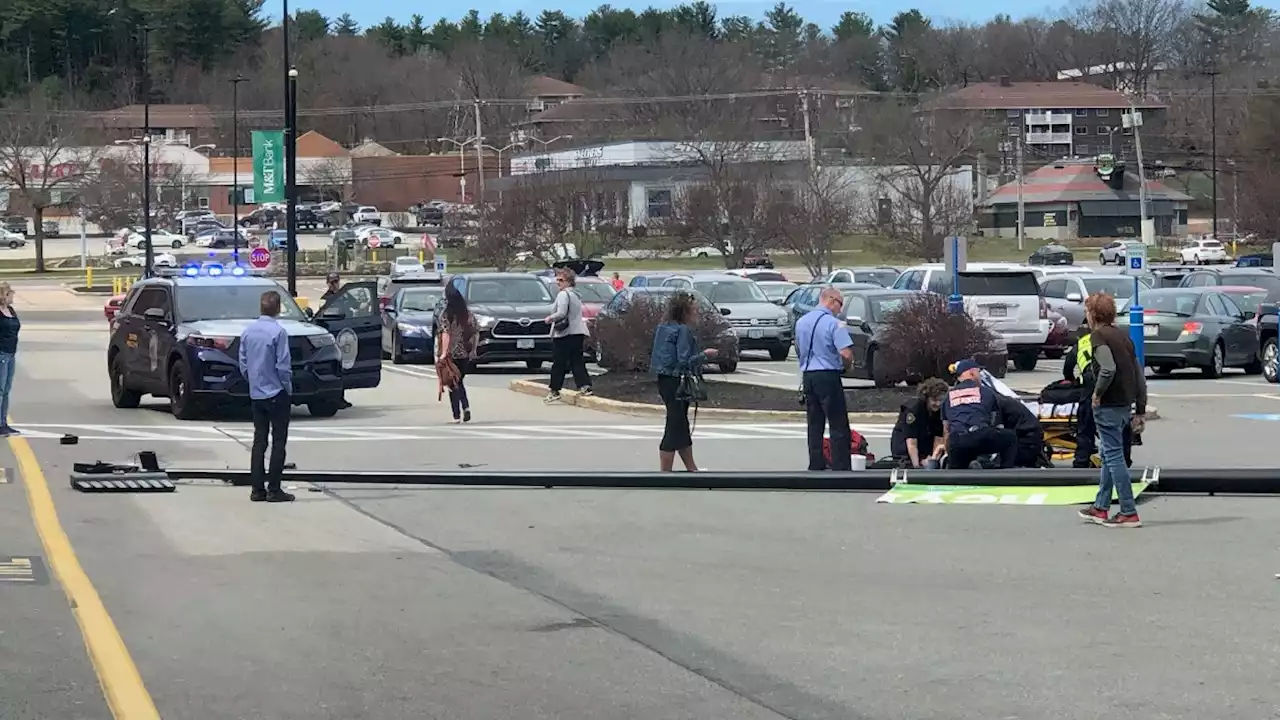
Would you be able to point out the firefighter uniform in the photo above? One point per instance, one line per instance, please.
(969, 410)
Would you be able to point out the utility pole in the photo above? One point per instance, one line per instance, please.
(1022, 208)
(479, 154)
(149, 255)
(291, 179)
(1213, 131)
(235, 166)
(808, 132)
(1134, 120)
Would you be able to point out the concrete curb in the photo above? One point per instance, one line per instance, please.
(619, 407)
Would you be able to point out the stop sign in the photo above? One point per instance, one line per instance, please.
(260, 258)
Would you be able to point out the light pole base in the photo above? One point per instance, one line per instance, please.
(955, 305)
(1137, 333)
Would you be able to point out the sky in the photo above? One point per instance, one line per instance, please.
(825, 14)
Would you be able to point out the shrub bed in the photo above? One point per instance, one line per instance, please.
(921, 339)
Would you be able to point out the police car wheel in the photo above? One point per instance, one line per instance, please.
(323, 408)
(181, 402)
(397, 357)
(121, 395)
(1269, 360)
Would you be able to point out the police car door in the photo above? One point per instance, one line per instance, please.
(150, 320)
(356, 323)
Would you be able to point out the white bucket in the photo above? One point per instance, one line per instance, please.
(858, 462)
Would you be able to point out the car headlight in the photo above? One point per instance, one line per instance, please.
(782, 321)
(485, 321)
(319, 341)
(408, 329)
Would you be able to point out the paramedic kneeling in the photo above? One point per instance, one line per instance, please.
(1015, 416)
(968, 412)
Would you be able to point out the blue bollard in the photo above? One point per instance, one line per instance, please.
(1136, 332)
(955, 304)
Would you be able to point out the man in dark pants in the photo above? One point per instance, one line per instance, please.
(1078, 367)
(1029, 444)
(825, 351)
(267, 367)
(968, 411)
(332, 285)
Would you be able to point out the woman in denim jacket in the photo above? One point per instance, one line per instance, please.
(676, 353)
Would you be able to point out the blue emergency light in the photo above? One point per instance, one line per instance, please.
(213, 270)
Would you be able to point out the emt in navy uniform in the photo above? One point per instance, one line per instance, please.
(919, 439)
(825, 351)
(969, 411)
(266, 364)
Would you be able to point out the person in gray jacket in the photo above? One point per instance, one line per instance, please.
(568, 334)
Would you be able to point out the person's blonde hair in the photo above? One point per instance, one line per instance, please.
(5, 289)
(569, 277)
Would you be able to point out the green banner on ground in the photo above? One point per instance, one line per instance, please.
(991, 495)
(268, 166)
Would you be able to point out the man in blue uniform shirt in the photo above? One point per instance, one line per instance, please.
(968, 411)
(825, 351)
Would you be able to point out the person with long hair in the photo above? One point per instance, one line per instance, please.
(456, 342)
(9, 326)
(568, 336)
(675, 354)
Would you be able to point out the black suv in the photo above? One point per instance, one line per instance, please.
(510, 310)
(178, 337)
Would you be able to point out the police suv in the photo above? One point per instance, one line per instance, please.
(177, 336)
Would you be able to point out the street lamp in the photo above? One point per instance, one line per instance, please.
(462, 162)
(235, 166)
(149, 252)
(291, 178)
(501, 150)
(545, 143)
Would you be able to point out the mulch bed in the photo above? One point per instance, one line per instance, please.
(643, 388)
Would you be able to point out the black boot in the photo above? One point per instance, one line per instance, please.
(278, 496)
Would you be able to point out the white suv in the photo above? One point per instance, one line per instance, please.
(1005, 296)
(1203, 252)
(367, 214)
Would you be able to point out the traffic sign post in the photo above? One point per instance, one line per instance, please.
(956, 251)
(1135, 254)
(442, 264)
(260, 258)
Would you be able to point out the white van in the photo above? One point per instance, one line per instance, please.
(1005, 296)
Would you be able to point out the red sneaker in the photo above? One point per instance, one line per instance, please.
(1123, 521)
(1093, 515)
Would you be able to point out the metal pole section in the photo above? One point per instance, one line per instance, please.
(1213, 131)
(291, 181)
(149, 255)
(808, 133)
(84, 243)
(1022, 208)
(479, 155)
(1135, 120)
(235, 166)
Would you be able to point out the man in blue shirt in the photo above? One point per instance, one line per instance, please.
(968, 410)
(825, 351)
(266, 365)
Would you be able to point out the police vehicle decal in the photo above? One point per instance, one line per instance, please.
(155, 352)
(966, 396)
(349, 346)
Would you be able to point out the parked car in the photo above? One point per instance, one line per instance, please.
(1198, 327)
(1066, 294)
(1042, 272)
(1256, 260)
(157, 260)
(1252, 277)
(760, 324)
(51, 228)
(346, 236)
(112, 306)
(14, 224)
(12, 240)
(408, 323)
(805, 298)
(758, 274)
(865, 313)
(407, 264)
(1003, 295)
(595, 291)
(712, 331)
(757, 260)
(377, 237)
(1166, 276)
(777, 291)
(648, 279)
(162, 238)
(1060, 336)
(223, 238)
(882, 276)
(1267, 322)
(1052, 254)
(1112, 252)
(388, 286)
(367, 214)
(510, 310)
(1203, 252)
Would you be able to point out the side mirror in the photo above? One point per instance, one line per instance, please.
(1075, 297)
(724, 311)
(1249, 314)
(853, 320)
(332, 314)
(309, 313)
(390, 311)
(154, 314)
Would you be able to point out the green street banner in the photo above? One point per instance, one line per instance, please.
(268, 166)
(991, 495)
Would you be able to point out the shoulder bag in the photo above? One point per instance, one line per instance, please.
(563, 323)
(800, 394)
(692, 388)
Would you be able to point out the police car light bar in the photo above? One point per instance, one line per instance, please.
(202, 270)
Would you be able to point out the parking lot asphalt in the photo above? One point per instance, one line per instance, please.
(397, 602)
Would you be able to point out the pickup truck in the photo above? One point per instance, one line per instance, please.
(1268, 324)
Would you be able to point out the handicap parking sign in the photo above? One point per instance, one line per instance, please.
(1135, 263)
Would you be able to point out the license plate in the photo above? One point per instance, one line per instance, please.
(1150, 330)
(998, 312)
(755, 334)
(526, 344)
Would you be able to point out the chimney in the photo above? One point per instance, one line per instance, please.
(1004, 81)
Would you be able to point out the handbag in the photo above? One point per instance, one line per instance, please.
(800, 394)
(563, 323)
(692, 389)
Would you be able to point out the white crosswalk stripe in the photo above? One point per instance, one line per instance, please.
(312, 432)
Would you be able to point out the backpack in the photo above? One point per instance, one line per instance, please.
(857, 446)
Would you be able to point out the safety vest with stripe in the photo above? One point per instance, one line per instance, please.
(1084, 355)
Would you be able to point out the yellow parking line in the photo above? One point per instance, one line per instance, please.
(121, 683)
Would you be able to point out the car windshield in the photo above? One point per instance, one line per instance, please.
(1267, 281)
(777, 291)
(883, 278)
(731, 292)
(526, 289)
(421, 299)
(881, 307)
(1119, 288)
(230, 301)
(597, 292)
(1167, 302)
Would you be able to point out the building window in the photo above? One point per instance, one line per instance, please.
(1081, 112)
(1013, 113)
(659, 203)
(1104, 130)
(1127, 131)
(1102, 112)
(1081, 130)
(202, 203)
(989, 113)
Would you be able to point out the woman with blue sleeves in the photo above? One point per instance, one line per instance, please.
(9, 326)
(675, 354)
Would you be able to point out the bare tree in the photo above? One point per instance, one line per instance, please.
(1259, 169)
(1136, 36)
(922, 160)
(818, 211)
(735, 208)
(40, 160)
(331, 177)
(115, 197)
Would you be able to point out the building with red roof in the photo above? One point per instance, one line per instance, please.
(1069, 199)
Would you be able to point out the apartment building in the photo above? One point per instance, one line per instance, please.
(189, 125)
(1063, 119)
